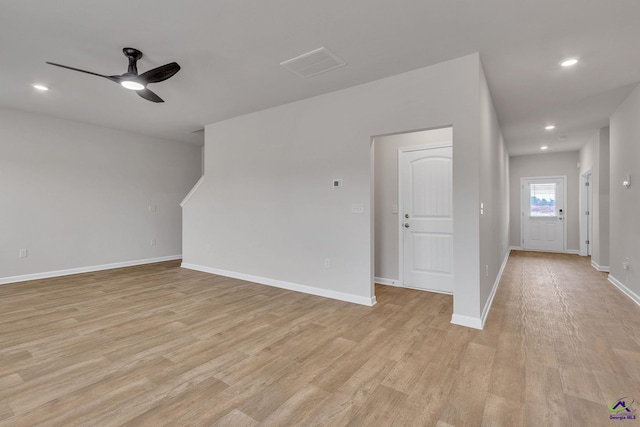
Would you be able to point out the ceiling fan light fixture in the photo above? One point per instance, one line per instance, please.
(132, 85)
(569, 62)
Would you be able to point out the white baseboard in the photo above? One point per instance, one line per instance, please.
(628, 292)
(469, 322)
(568, 251)
(475, 322)
(602, 268)
(285, 285)
(89, 269)
(487, 306)
(388, 282)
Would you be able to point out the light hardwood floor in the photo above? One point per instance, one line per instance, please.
(160, 345)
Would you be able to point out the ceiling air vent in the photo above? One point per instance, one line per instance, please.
(312, 63)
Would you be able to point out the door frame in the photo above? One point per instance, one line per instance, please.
(401, 204)
(586, 221)
(522, 209)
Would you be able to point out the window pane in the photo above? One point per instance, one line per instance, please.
(543, 199)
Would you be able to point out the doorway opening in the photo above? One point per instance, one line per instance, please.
(412, 210)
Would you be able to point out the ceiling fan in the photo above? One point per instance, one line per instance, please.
(131, 79)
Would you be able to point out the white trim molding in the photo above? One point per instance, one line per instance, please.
(191, 192)
(568, 251)
(387, 282)
(628, 292)
(468, 321)
(475, 322)
(603, 268)
(487, 306)
(312, 290)
(89, 269)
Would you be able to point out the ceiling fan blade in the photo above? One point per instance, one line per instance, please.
(148, 95)
(112, 78)
(159, 74)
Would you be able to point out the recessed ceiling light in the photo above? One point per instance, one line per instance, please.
(550, 127)
(569, 62)
(544, 147)
(40, 87)
(130, 84)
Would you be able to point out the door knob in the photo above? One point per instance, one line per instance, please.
(406, 215)
(406, 225)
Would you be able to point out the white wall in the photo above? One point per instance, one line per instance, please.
(594, 157)
(625, 203)
(387, 231)
(548, 164)
(604, 199)
(494, 196)
(77, 195)
(266, 208)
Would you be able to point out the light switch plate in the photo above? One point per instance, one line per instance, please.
(394, 209)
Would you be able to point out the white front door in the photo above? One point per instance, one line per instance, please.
(543, 214)
(426, 191)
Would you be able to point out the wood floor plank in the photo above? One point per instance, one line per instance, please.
(342, 405)
(235, 418)
(466, 402)
(580, 382)
(381, 408)
(508, 376)
(501, 411)
(160, 345)
(5, 411)
(297, 407)
(545, 402)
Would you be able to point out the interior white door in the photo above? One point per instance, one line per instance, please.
(426, 190)
(543, 214)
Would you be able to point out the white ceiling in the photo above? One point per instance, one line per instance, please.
(230, 51)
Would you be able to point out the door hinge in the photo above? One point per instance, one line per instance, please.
(586, 242)
(586, 213)
(586, 184)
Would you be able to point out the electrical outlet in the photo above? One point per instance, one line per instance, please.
(394, 209)
(153, 208)
(152, 242)
(486, 270)
(625, 263)
(357, 208)
(23, 253)
(327, 263)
